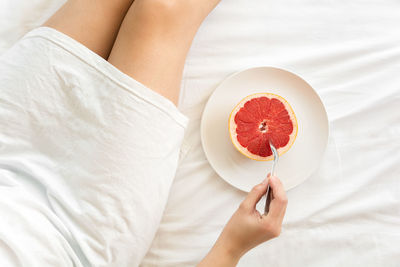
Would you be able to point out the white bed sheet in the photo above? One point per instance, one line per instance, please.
(348, 212)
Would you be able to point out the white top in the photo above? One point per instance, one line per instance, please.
(87, 157)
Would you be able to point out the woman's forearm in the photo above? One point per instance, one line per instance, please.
(220, 256)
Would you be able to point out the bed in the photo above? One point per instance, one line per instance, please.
(348, 212)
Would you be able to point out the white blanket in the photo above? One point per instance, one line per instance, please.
(348, 212)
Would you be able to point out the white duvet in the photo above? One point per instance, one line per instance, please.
(348, 212)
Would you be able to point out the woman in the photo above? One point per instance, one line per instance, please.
(90, 137)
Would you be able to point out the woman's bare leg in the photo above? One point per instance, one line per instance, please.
(154, 39)
(94, 23)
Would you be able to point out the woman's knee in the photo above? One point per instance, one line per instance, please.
(166, 11)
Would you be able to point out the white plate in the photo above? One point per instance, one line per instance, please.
(294, 166)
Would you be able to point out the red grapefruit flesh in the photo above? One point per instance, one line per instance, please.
(258, 119)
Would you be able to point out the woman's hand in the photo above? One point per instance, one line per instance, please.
(247, 228)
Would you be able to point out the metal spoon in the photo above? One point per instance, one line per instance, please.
(268, 194)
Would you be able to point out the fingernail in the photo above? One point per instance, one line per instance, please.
(265, 181)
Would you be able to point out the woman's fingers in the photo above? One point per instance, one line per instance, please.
(279, 201)
(254, 196)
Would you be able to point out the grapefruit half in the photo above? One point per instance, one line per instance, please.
(258, 119)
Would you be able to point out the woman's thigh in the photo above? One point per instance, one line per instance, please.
(94, 23)
(154, 40)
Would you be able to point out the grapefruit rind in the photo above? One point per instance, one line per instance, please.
(243, 150)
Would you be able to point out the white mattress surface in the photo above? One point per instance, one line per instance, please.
(348, 212)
